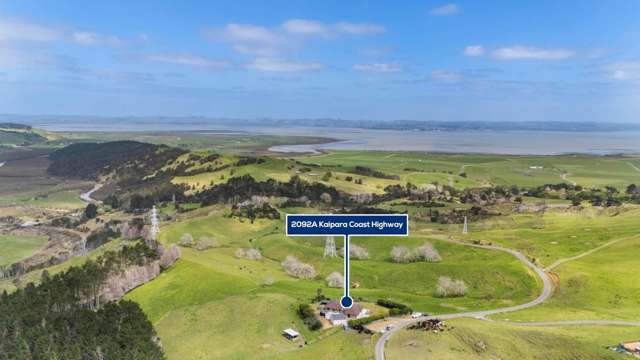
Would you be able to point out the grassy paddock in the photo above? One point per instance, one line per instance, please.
(473, 339)
(14, 248)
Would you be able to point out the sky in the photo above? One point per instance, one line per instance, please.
(379, 60)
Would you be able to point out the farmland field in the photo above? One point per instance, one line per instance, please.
(14, 248)
(474, 339)
(212, 304)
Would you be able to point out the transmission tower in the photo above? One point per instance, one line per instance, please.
(330, 247)
(155, 224)
(465, 229)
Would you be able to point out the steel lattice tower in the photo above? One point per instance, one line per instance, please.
(330, 247)
(155, 224)
(465, 229)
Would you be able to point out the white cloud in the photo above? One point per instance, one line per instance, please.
(448, 9)
(250, 39)
(270, 43)
(530, 52)
(85, 38)
(359, 28)
(445, 76)
(190, 60)
(305, 27)
(311, 27)
(17, 30)
(256, 50)
(88, 38)
(474, 50)
(15, 57)
(379, 67)
(624, 71)
(279, 65)
(245, 33)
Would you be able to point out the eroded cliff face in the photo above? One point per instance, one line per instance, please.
(118, 284)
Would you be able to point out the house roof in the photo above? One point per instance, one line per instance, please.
(334, 305)
(354, 310)
(291, 332)
(337, 316)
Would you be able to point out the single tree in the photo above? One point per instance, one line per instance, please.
(91, 211)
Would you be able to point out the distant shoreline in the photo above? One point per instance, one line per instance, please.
(315, 139)
(131, 123)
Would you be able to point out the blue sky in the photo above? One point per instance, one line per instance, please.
(418, 60)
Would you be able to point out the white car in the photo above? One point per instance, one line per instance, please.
(416, 315)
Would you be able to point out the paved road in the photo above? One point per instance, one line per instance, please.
(547, 289)
(86, 196)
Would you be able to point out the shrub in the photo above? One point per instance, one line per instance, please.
(296, 268)
(395, 308)
(186, 240)
(427, 253)
(205, 243)
(308, 317)
(249, 254)
(335, 279)
(400, 254)
(358, 324)
(268, 281)
(356, 252)
(252, 254)
(326, 198)
(448, 287)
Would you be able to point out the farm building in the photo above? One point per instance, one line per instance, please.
(290, 334)
(356, 312)
(333, 307)
(336, 318)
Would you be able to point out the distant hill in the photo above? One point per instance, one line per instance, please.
(15, 126)
(13, 134)
(90, 160)
(54, 122)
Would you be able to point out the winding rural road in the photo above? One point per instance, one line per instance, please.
(86, 196)
(547, 290)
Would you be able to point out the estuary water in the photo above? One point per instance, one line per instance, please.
(463, 141)
(488, 142)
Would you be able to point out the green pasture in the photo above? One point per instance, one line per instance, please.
(470, 339)
(14, 248)
(602, 285)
